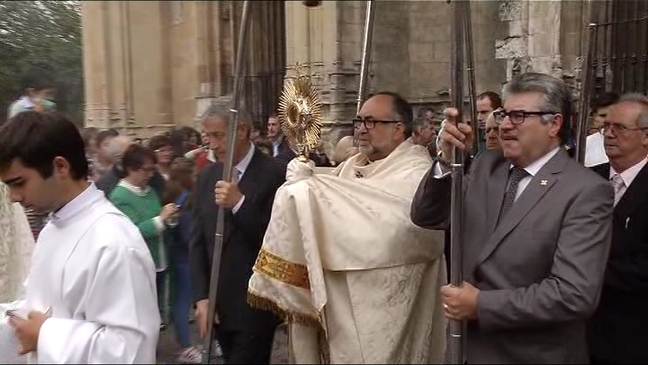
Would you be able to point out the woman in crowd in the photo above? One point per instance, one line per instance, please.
(179, 191)
(135, 198)
(161, 145)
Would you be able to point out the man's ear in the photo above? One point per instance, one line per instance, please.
(556, 125)
(61, 166)
(244, 131)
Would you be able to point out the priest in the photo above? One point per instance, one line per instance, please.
(342, 263)
(90, 292)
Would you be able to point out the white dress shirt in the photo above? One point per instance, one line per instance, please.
(238, 172)
(532, 170)
(627, 176)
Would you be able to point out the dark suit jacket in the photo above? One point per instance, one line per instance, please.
(540, 270)
(284, 152)
(618, 332)
(242, 240)
(286, 155)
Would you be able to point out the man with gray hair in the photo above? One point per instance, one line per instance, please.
(538, 228)
(244, 333)
(114, 151)
(617, 332)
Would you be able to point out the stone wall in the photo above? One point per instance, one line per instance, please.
(151, 65)
(543, 36)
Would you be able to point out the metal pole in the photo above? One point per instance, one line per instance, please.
(227, 176)
(470, 60)
(456, 328)
(586, 89)
(366, 59)
(366, 54)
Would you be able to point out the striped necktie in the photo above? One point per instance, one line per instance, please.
(516, 175)
(619, 187)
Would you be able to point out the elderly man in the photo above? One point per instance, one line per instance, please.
(533, 264)
(244, 333)
(487, 102)
(115, 150)
(595, 145)
(618, 332)
(492, 133)
(341, 260)
(424, 134)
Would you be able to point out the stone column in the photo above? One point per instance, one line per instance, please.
(95, 60)
(543, 36)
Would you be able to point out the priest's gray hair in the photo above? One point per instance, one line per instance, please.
(642, 100)
(224, 113)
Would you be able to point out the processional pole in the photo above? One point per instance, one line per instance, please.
(366, 54)
(227, 176)
(461, 43)
(586, 88)
(470, 61)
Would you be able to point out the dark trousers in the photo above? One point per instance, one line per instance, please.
(252, 346)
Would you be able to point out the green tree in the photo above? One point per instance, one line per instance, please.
(42, 32)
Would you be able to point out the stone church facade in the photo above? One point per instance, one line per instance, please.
(150, 65)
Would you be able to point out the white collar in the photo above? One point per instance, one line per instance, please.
(134, 189)
(631, 173)
(25, 102)
(245, 162)
(78, 204)
(536, 165)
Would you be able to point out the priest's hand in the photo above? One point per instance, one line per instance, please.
(27, 330)
(227, 194)
(460, 303)
(202, 310)
(297, 170)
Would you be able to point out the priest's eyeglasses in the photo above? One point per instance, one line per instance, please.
(371, 123)
(517, 117)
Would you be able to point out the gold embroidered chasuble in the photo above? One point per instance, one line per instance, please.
(343, 264)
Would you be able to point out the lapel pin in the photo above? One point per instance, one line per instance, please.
(543, 182)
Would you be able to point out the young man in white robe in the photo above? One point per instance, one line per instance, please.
(90, 293)
(341, 260)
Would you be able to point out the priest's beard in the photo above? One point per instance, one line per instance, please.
(375, 152)
(367, 149)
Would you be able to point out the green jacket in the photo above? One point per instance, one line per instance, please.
(143, 209)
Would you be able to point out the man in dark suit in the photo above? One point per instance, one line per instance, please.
(537, 232)
(245, 334)
(280, 146)
(618, 331)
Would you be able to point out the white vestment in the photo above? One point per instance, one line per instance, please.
(342, 262)
(93, 271)
(595, 150)
(16, 246)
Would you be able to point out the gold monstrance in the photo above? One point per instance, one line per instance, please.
(300, 113)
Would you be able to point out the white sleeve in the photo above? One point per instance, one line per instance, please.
(122, 321)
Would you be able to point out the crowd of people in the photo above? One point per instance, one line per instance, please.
(353, 258)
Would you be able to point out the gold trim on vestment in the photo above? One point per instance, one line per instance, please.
(279, 269)
(259, 302)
